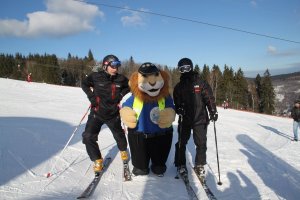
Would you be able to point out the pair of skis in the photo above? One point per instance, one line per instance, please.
(190, 190)
(92, 186)
(127, 177)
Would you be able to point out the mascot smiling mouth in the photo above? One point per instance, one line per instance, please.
(151, 85)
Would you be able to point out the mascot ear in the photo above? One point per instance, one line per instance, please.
(133, 82)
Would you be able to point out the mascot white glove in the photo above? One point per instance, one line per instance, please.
(128, 116)
(166, 117)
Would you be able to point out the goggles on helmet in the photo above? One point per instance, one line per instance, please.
(185, 68)
(114, 64)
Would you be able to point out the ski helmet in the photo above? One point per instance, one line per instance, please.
(185, 65)
(148, 68)
(111, 60)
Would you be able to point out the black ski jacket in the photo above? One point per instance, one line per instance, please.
(107, 90)
(195, 97)
(295, 113)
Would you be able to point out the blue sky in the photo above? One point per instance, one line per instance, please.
(66, 26)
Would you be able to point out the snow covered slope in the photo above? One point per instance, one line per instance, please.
(258, 160)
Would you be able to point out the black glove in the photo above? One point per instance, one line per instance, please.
(93, 101)
(181, 111)
(213, 116)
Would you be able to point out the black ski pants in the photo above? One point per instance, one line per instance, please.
(200, 140)
(92, 129)
(143, 149)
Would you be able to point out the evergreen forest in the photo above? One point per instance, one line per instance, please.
(230, 86)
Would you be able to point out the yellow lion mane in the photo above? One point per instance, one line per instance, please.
(164, 92)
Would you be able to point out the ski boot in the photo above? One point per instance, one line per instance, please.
(126, 170)
(98, 166)
(182, 169)
(124, 156)
(200, 172)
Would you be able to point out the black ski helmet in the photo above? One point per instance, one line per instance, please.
(107, 60)
(185, 62)
(148, 68)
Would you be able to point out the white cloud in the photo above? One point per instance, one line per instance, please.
(133, 19)
(253, 3)
(271, 50)
(283, 53)
(62, 17)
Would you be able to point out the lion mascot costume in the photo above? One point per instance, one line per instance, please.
(148, 114)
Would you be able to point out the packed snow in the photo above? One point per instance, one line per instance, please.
(257, 158)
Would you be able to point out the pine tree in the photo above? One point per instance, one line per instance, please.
(90, 56)
(226, 85)
(268, 94)
(215, 80)
(197, 69)
(240, 90)
(205, 73)
(259, 92)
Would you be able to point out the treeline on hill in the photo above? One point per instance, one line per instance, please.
(228, 85)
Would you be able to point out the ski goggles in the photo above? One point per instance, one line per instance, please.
(115, 64)
(185, 68)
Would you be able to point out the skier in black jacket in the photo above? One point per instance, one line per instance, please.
(295, 114)
(105, 90)
(192, 98)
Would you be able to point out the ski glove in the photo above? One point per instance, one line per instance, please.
(94, 102)
(181, 111)
(213, 116)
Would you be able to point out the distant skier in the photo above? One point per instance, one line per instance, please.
(224, 104)
(29, 78)
(105, 90)
(296, 116)
(192, 98)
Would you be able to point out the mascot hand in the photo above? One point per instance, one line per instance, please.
(166, 117)
(128, 117)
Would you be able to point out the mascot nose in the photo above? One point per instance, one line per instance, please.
(152, 84)
(151, 80)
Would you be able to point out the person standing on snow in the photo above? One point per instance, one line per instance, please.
(29, 78)
(192, 98)
(105, 90)
(295, 113)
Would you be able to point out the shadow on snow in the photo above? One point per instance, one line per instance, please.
(27, 142)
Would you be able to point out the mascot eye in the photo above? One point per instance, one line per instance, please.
(144, 75)
(156, 74)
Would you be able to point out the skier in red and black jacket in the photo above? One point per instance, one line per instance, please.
(105, 90)
(193, 99)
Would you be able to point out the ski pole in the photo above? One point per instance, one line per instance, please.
(75, 130)
(179, 142)
(219, 183)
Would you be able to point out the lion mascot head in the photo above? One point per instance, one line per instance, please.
(149, 83)
(149, 86)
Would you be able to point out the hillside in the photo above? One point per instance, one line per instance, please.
(287, 90)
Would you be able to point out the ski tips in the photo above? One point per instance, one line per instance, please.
(48, 174)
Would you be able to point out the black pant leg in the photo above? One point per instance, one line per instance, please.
(90, 137)
(159, 148)
(138, 149)
(184, 134)
(118, 133)
(200, 140)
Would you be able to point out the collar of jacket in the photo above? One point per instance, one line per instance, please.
(111, 77)
(188, 75)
